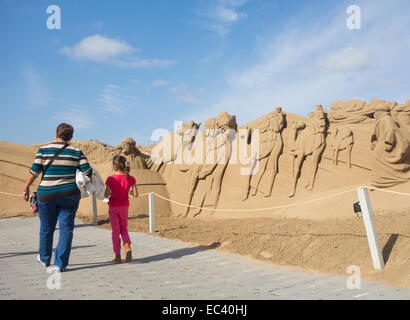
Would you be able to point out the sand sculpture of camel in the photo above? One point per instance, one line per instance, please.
(342, 140)
(172, 146)
(304, 141)
(218, 129)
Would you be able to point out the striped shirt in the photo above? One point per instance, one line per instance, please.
(60, 178)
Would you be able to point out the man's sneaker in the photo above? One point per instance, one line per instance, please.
(39, 260)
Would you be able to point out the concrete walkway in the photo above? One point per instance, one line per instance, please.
(161, 269)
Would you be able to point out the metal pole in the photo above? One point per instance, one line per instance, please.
(370, 225)
(95, 218)
(151, 212)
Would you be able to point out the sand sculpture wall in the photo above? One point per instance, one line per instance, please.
(354, 141)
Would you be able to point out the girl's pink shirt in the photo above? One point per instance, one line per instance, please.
(120, 188)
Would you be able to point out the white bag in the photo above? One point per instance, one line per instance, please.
(87, 187)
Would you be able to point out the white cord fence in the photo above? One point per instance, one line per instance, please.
(364, 202)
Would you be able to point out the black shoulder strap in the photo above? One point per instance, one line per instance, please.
(52, 159)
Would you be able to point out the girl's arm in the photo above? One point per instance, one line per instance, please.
(107, 193)
(134, 191)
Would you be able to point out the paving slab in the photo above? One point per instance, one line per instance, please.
(161, 269)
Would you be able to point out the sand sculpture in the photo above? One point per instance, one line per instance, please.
(170, 149)
(270, 148)
(401, 114)
(390, 158)
(307, 138)
(351, 111)
(342, 139)
(303, 138)
(129, 149)
(377, 150)
(215, 160)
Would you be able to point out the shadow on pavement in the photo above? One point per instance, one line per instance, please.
(23, 253)
(175, 254)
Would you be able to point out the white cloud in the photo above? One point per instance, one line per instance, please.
(222, 14)
(144, 63)
(97, 48)
(115, 99)
(160, 83)
(178, 88)
(37, 92)
(76, 116)
(184, 93)
(189, 97)
(116, 52)
(347, 59)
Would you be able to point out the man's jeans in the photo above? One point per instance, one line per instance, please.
(64, 210)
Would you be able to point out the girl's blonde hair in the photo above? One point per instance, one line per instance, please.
(121, 163)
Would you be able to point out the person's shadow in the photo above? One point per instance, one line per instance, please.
(23, 253)
(175, 254)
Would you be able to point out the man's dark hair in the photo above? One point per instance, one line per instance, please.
(65, 131)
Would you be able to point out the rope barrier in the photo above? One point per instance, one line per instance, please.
(11, 194)
(388, 191)
(259, 209)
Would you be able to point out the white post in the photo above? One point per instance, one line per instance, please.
(151, 212)
(370, 225)
(95, 218)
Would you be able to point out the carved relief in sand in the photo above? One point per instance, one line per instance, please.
(171, 147)
(217, 133)
(307, 139)
(390, 158)
(401, 114)
(351, 111)
(341, 138)
(270, 147)
(129, 149)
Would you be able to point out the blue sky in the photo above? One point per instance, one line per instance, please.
(126, 68)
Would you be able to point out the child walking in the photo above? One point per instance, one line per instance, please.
(118, 187)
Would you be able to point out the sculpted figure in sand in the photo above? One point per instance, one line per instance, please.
(307, 139)
(270, 147)
(218, 133)
(129, 149)
(342, 139)
(170, 149)
(390, 158)
(401, 114)
(352, 111)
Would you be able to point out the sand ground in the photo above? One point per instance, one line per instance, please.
(327, 246)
